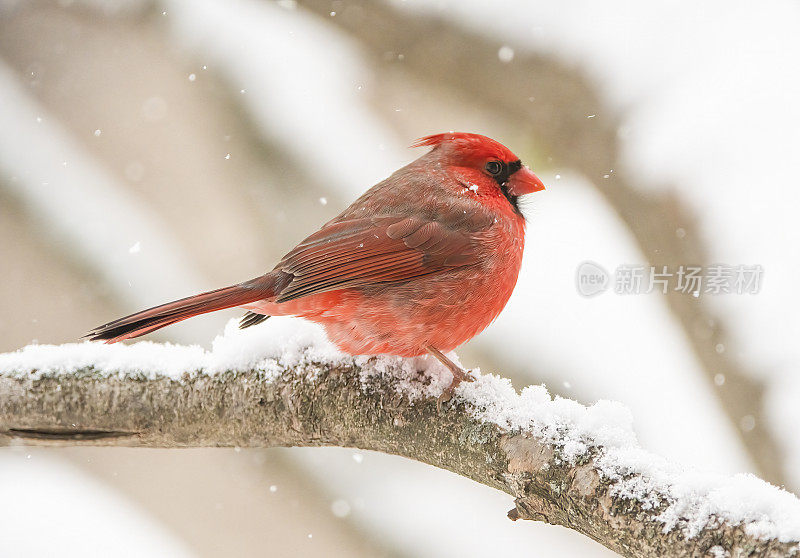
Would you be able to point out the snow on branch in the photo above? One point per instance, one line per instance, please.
(283, 384)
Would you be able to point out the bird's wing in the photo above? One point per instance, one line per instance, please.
(375, 250)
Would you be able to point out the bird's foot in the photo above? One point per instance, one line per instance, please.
(447, 394)
(459, 375)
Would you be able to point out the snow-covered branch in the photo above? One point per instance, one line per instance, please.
(564, 463)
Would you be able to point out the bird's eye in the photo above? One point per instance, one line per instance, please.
(494, 167)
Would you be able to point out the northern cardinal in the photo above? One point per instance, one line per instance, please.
(420, 263)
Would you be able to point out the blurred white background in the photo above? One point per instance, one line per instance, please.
(149, 150)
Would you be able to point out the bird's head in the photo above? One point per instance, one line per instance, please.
(483, 163)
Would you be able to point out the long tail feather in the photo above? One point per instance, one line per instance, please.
(157, 317)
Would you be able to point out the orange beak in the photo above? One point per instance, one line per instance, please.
(524, 182)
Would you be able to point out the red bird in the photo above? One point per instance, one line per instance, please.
(420, 263)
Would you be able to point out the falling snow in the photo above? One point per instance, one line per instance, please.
(505, 54)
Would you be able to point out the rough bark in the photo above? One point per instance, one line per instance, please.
(319, 404)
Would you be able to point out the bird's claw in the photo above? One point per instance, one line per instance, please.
(447, 394)
(459, 375)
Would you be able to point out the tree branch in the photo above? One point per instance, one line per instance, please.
(563, 463)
